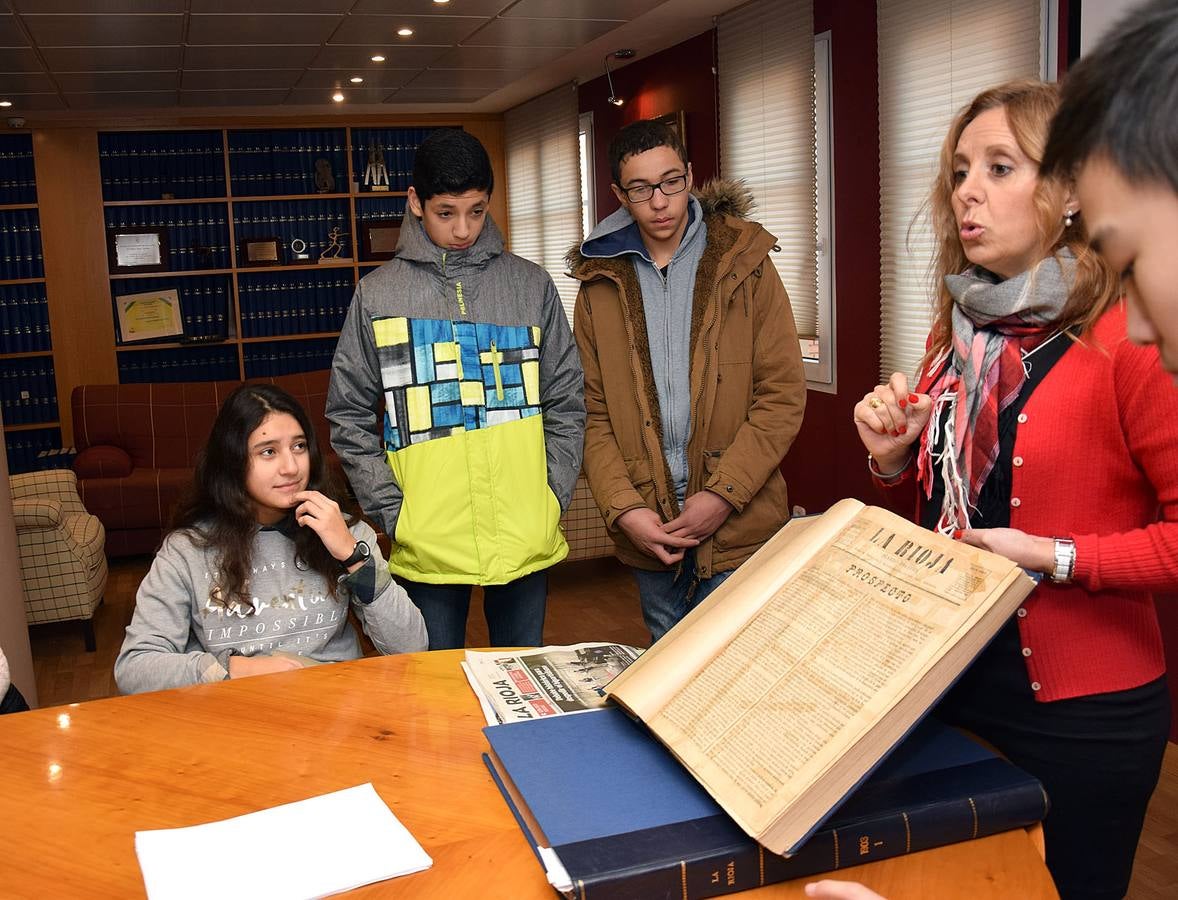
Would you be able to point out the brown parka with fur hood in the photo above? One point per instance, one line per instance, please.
(748, 387)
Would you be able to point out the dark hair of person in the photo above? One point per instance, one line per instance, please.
(451, 161)
(1029, 106)
(217, 511)
(1121, 101)
(638, 137)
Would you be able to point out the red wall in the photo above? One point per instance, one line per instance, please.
(679, 78)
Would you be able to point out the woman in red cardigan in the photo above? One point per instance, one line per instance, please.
(1038, 431)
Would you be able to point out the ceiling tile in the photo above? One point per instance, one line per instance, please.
(26, 83)
(467, 78)
(19, 59)
(21, 103)
(306, 97)
(240, 79)
(111, 59)
(426, 29)
(231, 98)
(104, 31)
(429, 8)
(248, 28)
(121, 99)
(273, 6)
(410, 94)
(249, 56)
(581, 9)
(344, 56)
(10, 35)
(95, 7)
(541, 32)
(323, 79)
(85, 82)
(498, 57)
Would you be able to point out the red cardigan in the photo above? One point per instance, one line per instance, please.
(1096, 459)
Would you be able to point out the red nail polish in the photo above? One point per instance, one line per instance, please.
(903, 429)
(895, 434)
(902, 403)
(957, 534)
(912, 398)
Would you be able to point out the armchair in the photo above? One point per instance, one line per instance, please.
(62, 550)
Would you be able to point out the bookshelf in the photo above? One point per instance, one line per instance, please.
(243, 216)
(28, 389)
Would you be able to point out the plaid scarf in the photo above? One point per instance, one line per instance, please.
(994, 323)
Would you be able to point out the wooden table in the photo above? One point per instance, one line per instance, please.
(80, 780)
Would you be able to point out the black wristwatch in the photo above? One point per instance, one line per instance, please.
(359, 553)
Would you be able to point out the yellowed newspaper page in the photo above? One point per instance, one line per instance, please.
(712, 625)
(831, 650)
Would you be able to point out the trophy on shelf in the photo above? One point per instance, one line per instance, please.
(331, 253)
(376, 176)
(324, 179)
(298, 249)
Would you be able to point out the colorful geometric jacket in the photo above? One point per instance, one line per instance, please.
(470, 358)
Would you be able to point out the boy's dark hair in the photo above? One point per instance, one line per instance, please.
(1121, 101)
(638, 137)
(451, 161)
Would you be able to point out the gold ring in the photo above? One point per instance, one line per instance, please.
(874, 403)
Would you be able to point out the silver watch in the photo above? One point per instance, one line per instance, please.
(1065, 560)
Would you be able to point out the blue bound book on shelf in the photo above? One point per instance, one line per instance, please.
(612, 814)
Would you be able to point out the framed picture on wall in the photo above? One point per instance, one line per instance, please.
(677, 122)
(378, 240)
(137, 248)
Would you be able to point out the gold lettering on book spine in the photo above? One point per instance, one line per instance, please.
(683, 877)
(907, 834)
(974, 808)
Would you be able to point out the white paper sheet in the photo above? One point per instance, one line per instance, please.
(311, 848)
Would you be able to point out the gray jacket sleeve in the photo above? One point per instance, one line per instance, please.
(385, 611)
(562, 397)
(158, 652)
(354, 409)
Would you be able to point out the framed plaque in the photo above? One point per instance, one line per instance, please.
(261, 251)
(378, 240)
(152, 316)
(134, 248)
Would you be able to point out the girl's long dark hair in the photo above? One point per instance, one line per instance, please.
(219, 514)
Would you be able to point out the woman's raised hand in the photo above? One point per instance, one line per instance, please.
(322, 515)
(890, 419)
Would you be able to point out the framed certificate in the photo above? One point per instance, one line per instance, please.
(152, 316)
(378, 240)
(134, 248)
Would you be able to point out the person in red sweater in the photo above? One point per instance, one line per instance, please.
(1037, 430)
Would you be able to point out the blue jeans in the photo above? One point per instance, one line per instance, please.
(514, 611)
(667, 596)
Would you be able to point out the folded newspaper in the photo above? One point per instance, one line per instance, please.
(517, 685)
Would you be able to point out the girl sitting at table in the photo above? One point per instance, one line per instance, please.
(261, 566)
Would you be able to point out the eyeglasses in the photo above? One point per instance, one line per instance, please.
(640, 193)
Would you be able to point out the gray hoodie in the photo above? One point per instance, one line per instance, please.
(667, 302)
(182, 633)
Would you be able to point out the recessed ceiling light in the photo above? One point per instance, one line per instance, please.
(440, 2)
(378, 58)
(337, 97)
(405, 31)
(5, 103)
(356, 79)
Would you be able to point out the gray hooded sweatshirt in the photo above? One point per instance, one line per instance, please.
(667, 302)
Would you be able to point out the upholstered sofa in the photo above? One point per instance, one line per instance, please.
(137, 444)
(62, 565)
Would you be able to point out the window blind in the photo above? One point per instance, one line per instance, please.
(766, 84)
(934, 57)
(543, 184)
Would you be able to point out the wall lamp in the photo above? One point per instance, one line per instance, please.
(617, 54)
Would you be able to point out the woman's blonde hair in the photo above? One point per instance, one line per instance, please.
(1029, 106)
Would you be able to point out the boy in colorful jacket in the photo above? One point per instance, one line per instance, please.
(466, 351)
(694, 385)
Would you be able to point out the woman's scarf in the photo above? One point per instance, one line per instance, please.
(994, 323)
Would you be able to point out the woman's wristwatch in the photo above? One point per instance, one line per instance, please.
(1065, 560)
(359, 553)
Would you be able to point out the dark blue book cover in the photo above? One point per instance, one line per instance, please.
(625, 819)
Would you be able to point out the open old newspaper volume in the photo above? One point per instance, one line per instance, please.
(791, 681)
